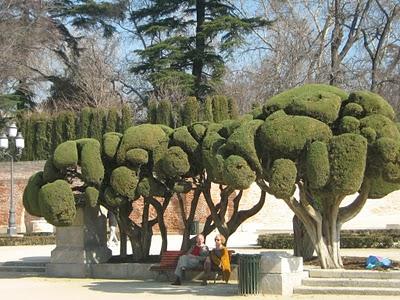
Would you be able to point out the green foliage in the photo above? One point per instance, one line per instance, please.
(58, 130)
(91, 196)
(50, 172)
(41, 139)
(111, 198)
(243, 143)
(137, 157)
(124, 181)
(174, 163)
(66, 155)
(220, 108)
(318, 101)
(276, 241)
(152, 111)
(284, 136)
(164, 113)
(212, 160)
(69, 119)
(283, 178)
(347, 157)
(112, 120)
(383, 126)
(369, 134)
(198, 131)
(90, 161)
(349, 124)
(237, 173)
(28, 132)
(30, 197)
(126, 118)
(97, 124)
(354, 110)
(148, 137)
(57, 203)
(186, 47)
(110, 144)
(233, 108)
(190, 111)
(372, 104)
(184, 139)
(84, 122)
(150, 187)
(317, 165)
(208, 109)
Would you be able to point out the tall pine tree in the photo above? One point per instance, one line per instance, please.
(189, 41)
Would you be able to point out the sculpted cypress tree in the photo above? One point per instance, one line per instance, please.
(316, 139)
(190, 111)
(84, 122)
(325, 143)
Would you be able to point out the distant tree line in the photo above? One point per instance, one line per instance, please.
(44, 132)
(215, 109)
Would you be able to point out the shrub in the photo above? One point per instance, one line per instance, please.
(57, 204)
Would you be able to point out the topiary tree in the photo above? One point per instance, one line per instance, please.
(112, 120)
(323, 142)
(84, 122)
(49, 193)
(316, 139)
(190, 111)
(164, 113)
(126, 117)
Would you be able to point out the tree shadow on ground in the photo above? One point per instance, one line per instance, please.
(165, 288)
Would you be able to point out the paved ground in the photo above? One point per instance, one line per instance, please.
(18, 287)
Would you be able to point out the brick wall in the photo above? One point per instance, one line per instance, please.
(22, 172)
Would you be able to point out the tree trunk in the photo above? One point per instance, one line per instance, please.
(198, 61)
(303, 245)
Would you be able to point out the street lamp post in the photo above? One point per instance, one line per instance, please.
(15, 147)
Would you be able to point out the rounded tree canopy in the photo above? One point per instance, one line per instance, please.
(57, 203)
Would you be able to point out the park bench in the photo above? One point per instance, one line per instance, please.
(169, 260)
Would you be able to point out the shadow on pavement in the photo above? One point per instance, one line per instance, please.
(162, 288)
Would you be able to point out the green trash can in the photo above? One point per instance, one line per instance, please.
(249, 274)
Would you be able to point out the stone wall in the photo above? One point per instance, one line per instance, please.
(275, 216)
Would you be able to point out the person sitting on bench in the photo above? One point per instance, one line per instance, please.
(195, 257)
(218, 260)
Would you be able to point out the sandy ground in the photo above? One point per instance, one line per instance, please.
(71, 289)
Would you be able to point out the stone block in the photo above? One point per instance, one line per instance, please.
(117, 271)
(68, 270)
(280, 284)
(280, 262)
(85, 242)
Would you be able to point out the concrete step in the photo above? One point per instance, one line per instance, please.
(24, 263)
(365, 274)
(23, 269)
(351, 282)
(310, 290)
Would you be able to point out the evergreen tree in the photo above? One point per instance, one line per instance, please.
(112, 120)
(233, 108)
(97, 124)
(208, 110)
(84, 122)
(69, 118)
(183, 36)
(58, 129)
(126, 118)
(41, 140)
(164, 113)
(190, 111)
(220, 109)
(152, 111)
